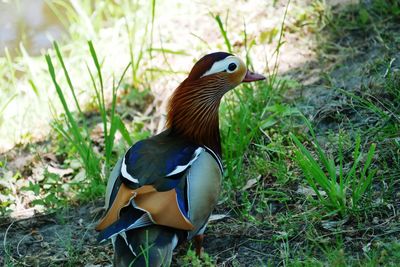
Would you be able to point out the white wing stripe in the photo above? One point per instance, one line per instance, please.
(181, 168)
(125, 173)
(144, 220)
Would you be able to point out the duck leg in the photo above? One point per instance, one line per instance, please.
(198, 244)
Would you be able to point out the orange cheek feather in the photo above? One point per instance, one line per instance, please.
(237, 77)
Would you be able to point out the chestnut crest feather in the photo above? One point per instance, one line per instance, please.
(206, 63)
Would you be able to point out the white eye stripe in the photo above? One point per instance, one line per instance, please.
(222, 65)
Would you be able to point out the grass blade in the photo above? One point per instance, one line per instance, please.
(223, 32)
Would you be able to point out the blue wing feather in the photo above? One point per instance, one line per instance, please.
(128, 216)
(150, 161)
(182, 202)
(133, 154)
(179, 157)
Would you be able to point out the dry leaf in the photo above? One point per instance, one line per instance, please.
(50, 157)
(58, 171)
(217, 217)
(251, 182)
(308, 191)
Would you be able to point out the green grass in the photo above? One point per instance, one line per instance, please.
(191, 259)
(258, 146)
(245, 109)
(344, 188)
(79, 134)
(24, 78)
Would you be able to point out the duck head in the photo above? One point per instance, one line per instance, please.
(193, 107)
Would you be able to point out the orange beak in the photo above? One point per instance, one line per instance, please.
(252, 76)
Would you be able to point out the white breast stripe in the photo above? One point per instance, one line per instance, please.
(125, 173)
(181, 168)
(216, 157)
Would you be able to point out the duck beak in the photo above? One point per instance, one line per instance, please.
(252, 76)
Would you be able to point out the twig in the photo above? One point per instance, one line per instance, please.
(5, 243)
(389, 67)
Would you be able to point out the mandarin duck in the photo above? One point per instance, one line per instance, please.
(163, 190)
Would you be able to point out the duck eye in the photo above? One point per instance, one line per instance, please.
(232, 67)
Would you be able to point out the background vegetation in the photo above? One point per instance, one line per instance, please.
(312, 155)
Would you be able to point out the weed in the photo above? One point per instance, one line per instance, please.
(191, 259)
(223, 31)
(78, 135)
(337, 183)
(244, 111)
(74, 134)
